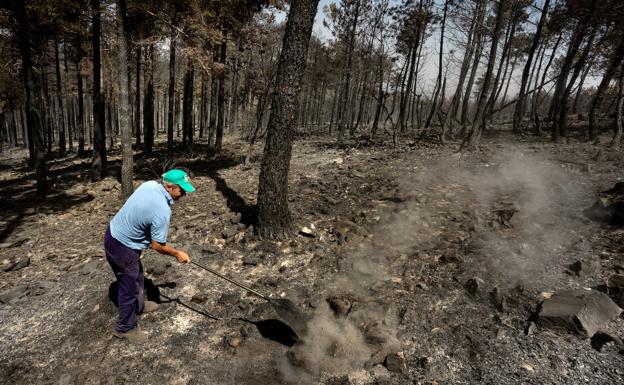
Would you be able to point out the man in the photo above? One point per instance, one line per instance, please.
(142, 221)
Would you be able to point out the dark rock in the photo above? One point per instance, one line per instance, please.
(340, 305)
(499, 299)
(251, 260)
(342, 380)
(14, 294)
(199, 298)
(615, 288)
(580, 311)
(576, 268)
(17, 265)
(601, 338)
(605, 212)
(395, 362)
(475, 285)
(616, 281)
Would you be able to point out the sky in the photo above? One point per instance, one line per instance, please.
(430, 60)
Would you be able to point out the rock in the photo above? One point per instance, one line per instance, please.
(90, 267)
(605, 212)
(251, 260)
(30, 211)
(233, 341)
(199, 298)
(395, 362)
(601, 338)
(307, 232)
(580, 311)
(616, 281)
(17, 265)
(576, 268)
(341, 306)
(615, 288)
(475, 285)
(14, 294)
(342, 380)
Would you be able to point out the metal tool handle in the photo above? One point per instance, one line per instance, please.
(252, 291)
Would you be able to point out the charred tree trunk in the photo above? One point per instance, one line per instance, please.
(520, 103)
(187, 113)
(33, 114)
(617, 136)
(472, 140)
(598, 98)
(221, 97)
(434, 103)
(137, 105)
(148, 105)
(343, 113)
(99, 127)
(274, 220)
(124, 123)
(171, 91)
(559, 96)
(59, 96)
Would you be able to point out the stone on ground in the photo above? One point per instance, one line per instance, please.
(580, 311)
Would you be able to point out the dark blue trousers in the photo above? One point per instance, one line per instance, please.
(127, 267)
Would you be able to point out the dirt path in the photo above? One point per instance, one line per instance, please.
(397, 234)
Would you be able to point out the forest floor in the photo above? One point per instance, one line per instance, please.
(393, 235)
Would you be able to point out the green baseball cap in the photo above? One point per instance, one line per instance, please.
(180, 178)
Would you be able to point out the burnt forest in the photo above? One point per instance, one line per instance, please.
(332, 192)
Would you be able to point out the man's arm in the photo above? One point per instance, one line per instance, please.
(164, 248)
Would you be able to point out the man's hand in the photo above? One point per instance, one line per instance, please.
(164, 248)
(182, 257)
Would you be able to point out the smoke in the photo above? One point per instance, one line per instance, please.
(518, 206)
(333, 346)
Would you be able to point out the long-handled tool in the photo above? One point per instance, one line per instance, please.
(285, 308)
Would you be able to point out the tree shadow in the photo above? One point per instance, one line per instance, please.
(234, 202)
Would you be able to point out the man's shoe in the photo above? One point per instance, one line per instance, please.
(133, 335)
(150, 306)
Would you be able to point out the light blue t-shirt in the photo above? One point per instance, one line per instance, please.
(144, 216)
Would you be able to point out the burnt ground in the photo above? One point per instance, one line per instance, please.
(397, 232)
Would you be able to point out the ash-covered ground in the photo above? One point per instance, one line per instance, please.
(415, 265)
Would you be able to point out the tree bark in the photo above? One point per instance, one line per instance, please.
(148, 105)
(171, 91)
(343, 115)
(472, 140)
(434, 103)
(137, 108)
(598, 98)
(617, 136)
(274, 219)
(520, 103)
(33, 114)
(99, 127)
(59, 96)
(221, 97)
(124, 123)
